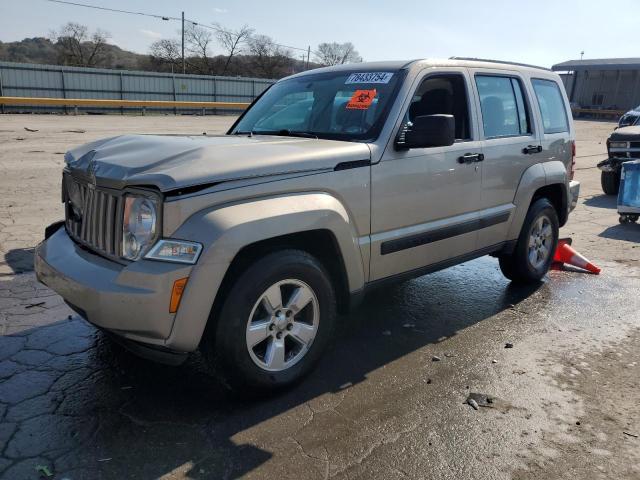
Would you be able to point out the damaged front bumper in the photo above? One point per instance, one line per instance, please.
(129, 300)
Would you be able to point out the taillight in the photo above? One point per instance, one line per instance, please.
(573, 160)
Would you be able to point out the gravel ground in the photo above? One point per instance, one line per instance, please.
(564, 397)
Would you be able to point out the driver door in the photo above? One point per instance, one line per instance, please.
(425, 201)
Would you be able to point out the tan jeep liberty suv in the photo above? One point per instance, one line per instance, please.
(332, 182)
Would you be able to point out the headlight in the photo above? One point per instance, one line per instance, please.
(74, 195)
(617, 144)
(179, 251)
(139, 226)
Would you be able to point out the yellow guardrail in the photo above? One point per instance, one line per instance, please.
(95, 102)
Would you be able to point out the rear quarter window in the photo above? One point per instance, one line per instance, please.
(551, 103)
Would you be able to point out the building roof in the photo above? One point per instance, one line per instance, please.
(599, 64)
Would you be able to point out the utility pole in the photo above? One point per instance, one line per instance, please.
(184, 68)
(581, 54)
(308, 55)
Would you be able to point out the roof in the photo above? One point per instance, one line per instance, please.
(599, 64)
(426, 62)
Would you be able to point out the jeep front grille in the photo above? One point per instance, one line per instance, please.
(93, 217)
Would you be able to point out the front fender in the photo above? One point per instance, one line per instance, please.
(534, 178)
(225, 230)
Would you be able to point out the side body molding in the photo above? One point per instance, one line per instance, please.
(534, 177)
(225, 230)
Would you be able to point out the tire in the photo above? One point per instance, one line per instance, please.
(523, 266)
(247, 309)
(610, 182)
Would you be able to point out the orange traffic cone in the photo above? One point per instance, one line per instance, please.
(566, 254)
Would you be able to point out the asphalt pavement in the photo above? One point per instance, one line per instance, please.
(389, 400)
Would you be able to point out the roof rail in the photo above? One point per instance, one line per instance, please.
(499, 61)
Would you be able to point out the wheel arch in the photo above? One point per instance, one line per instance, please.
(542, 180)
(321, 244)
(556, 193)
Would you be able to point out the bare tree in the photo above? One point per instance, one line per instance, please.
(80, 47)
(269, 59)
(232, 42)
(337, 53)
(166, 51)
(198, 42)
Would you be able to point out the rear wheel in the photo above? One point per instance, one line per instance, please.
(536, 245)
(610, 182)
(275, 322)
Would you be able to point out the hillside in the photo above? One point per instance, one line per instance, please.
(43, 51)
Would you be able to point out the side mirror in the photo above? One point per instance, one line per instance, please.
(427, 131)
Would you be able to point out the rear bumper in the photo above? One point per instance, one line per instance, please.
(129, 300)
(574, 192)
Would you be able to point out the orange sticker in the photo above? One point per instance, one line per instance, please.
(361, 99)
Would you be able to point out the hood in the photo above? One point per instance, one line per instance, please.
(626, 134)
(170, 162)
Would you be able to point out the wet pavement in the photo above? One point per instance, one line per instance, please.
(378, 406)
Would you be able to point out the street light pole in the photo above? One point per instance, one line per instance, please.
(184, 69)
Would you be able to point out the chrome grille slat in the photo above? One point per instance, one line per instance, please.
(91, 220)
(86, 203)
(117, 232)
(109, 222)
(101, 218)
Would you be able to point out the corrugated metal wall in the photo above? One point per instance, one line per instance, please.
(604, 89)
(30, 80)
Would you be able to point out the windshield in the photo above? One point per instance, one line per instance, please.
(345, 105)
(628, 120)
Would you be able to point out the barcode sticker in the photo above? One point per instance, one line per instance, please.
(369, 77)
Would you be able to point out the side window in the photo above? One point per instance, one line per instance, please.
(554, 114)
(443, 94)
(504, 109)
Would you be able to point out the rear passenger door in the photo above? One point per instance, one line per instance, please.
(510, 145)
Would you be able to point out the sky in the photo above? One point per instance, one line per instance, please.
(541, 32)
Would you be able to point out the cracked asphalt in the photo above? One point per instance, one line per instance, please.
(378, 406)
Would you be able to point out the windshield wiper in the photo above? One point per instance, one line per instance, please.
(285, 132)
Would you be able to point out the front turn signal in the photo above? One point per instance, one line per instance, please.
(176, 294)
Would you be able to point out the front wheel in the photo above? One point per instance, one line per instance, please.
(536, 245)
(276, 320)
(610, 182)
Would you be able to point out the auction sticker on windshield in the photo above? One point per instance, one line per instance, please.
(361, 99)
(369, 77)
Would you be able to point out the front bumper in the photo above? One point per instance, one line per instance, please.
(130, 300)
(612, 164)
(574, 191)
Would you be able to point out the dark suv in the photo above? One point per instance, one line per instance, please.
(622, 145)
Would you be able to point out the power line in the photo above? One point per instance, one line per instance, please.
(160, 17)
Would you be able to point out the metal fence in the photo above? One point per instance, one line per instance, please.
(54, 81)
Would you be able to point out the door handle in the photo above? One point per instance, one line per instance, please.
(531, 149)
(471, 158)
